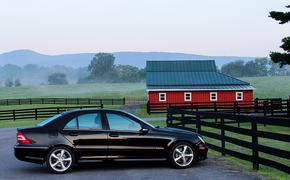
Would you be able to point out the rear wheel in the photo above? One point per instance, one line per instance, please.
(181, 155)
(60, 160)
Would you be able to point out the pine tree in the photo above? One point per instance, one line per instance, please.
(277, 57)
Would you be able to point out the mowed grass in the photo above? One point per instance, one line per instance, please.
(270, 87)
(266, 87)
(99, 90)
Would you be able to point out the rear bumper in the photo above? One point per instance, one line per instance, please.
(34, 154)
(202, 150)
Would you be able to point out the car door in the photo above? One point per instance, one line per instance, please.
(87, 133)
(125, 138)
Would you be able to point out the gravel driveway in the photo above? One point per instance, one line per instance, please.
(212, 168)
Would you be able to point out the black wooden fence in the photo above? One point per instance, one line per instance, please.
(268, 107)
(38, 113)
(200, 120)
(65, 101)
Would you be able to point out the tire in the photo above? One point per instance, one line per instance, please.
(181, 155)
(60, 160)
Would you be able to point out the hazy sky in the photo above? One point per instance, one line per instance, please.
(211, 27)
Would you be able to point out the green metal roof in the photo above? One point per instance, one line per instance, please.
(189, 75)
(237, 87)
(184, 66)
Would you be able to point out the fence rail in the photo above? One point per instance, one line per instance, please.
(267, 107)
(200, 120)
(37, 113)
(64, 101)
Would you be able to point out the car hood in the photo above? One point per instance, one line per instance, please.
(175, 131)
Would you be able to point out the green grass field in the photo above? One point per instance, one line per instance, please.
(265, 87)
(270, 87)
(100, 90)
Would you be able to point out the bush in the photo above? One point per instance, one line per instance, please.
(57, 79)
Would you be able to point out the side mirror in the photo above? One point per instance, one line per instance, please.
(144, 130)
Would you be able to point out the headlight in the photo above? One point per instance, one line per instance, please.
(200, 138)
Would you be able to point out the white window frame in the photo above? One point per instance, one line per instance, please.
(185, 95)
(242, 96)
(164, 94)
(211, 96)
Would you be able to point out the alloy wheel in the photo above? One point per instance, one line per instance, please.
(60, 160)
(183, 155)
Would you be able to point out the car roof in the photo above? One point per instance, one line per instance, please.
(91, 109)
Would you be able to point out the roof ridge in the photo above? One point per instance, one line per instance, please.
(180, 60)
(233, 77)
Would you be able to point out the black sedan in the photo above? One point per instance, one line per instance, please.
(93, 134)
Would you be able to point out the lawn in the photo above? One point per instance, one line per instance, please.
(270, 87)
(278, 86)
(100, 90)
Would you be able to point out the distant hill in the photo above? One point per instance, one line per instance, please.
(23, 57)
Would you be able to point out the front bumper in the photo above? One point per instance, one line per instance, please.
(34, 154)
(201, 151)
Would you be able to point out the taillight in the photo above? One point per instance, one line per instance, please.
(21, 139)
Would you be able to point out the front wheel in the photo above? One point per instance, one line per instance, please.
(181, 155)
(60, 160)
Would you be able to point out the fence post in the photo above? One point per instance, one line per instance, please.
(124, 101)
(148, 108)
(7, 102)
(19, 101)
(42, 101)
(222, 136)
(235, 107)
(57, 110)
(35, 114)
(256, 105)
(288, 108)
(265, 107)
(182, 119)
(13, 112)
(112, 101)
(215, 110)
(198, 123)
(169, 118)
(255, 153)
(65, 100)
(78, 101)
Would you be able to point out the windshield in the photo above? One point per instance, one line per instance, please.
(145, 122)
(45, 122)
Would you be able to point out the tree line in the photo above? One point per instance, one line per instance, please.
(254, 68)
(103, 69)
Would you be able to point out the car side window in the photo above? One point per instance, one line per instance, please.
(90, 121)
(72, 124)
(85, 121)
(119, 122)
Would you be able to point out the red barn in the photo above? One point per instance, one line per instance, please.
(192, 81)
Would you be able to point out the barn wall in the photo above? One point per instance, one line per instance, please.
(199, 96)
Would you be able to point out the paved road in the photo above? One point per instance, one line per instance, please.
(212, 168)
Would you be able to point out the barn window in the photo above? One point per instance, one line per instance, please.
(239, 96)
(187, 96)
(162, 96)
(213, 96)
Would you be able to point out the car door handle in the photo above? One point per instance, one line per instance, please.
(114, 135)
(73, 133)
